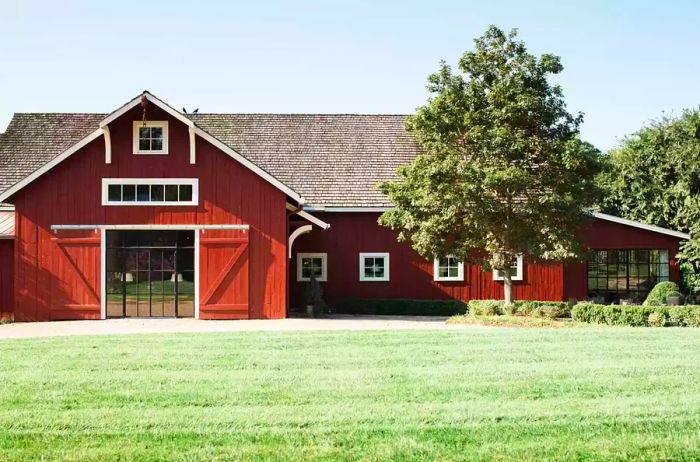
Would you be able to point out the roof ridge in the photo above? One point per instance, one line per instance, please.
(364, 114)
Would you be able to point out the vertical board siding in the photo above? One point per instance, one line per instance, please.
(411, 276)
(71, 193)
(7, 276)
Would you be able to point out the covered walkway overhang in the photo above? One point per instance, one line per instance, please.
(303, 226)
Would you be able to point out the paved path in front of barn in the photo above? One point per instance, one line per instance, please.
(169, 325)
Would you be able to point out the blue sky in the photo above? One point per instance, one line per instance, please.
(626, 62)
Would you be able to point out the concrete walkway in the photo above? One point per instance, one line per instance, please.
(167, 325)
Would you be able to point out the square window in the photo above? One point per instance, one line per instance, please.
(374, 267)
(309, 264)
(448, 268)
(516, 271)
(151, 138)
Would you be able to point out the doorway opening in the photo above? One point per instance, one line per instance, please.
(150, 273)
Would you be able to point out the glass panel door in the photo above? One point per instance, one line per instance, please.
(150, 273)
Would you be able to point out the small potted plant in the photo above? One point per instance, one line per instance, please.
(673, 298)
(313, 298)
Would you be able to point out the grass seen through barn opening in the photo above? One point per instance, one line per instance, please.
(479, 393)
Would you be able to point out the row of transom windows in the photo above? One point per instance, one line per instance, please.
(375, 266)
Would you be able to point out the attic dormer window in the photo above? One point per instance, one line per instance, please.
(151, 137)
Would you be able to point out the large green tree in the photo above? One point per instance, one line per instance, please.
(503, 170)
(654, 177)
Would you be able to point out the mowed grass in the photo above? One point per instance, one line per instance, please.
(501, 393)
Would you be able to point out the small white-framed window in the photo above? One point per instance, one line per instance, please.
(151, 137)
(312, 263)
(150, 191)
(374, 266)
(448, 268)
(516, 271)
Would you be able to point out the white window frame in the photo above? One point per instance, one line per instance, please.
(384, 255)
(324, 268)
(150, 123)
(518, 273)
(436, 270)
(194, 182)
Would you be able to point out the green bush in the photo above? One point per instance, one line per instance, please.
(658, 294)
(637, 315)
(532, 308)
(400, 307)
(487, 307)
(548, 310)
(656, 319)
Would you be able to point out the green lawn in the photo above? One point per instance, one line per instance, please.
(621, 394)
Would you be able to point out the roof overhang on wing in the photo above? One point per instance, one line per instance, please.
(102, 131)
(598, 215)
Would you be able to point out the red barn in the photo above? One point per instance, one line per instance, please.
(147, 211)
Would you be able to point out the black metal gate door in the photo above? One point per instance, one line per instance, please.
(150, 273)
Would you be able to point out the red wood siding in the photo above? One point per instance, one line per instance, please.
(229, 193)
(411, 276)
(7, 276)
(602, 234)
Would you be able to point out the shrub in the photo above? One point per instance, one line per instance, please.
(548, 310)
(656, 319)
(637, 315)
(532, 308)
(487, 307)
(658, 294)
(400, 307)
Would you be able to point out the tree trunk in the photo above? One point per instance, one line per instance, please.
(507, 287)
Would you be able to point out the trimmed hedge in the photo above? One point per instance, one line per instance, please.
(536, 309)
(400, 307)
(637, 315)
(658, 294)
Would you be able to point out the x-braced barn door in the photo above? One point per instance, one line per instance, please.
(224, 279)
(75, 275)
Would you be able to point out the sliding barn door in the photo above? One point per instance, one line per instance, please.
(224, 279)
(74, 275)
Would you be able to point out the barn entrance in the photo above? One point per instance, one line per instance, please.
(150, 273)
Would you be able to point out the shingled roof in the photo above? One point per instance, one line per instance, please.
(331, 160)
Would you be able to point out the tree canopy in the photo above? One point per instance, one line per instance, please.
(654, 177)
(503, 170)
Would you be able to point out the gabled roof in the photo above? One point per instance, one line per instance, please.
(328, 159)
(20, 141)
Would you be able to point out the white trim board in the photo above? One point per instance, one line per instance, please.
(639, 224)
(124, 109)
(107, 182)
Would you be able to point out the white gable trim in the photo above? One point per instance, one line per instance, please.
(136, 101)
(51, 164)
(639, 224)
(124, 109)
